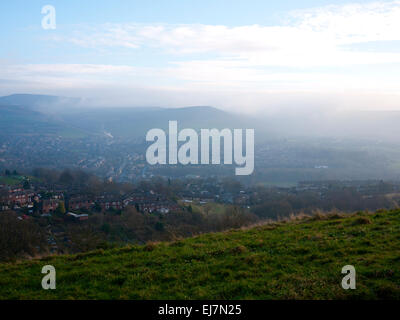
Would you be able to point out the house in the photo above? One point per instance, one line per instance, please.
(16, 196)
(4, 207)
(107, 204)
(156, 206)
(79, 203)
(49, 205)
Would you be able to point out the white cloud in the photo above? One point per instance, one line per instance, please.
(352, 23)
(306, 35)
(314, 38)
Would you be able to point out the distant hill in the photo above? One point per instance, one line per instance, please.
(135, 122)
(298, 259)
(37, 101)
(18, 120)
(23, 114)
(42, 114)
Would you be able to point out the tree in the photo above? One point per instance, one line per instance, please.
(61, 208)
(97, 207)
(231, 185)
(27, 184)
(159, 226)
(66, 177)
(19, 238)
(207, 209)
(106, 228)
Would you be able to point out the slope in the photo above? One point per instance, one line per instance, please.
(298, 259)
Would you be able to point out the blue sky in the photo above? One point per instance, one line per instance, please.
(236, 55)
(20, 13)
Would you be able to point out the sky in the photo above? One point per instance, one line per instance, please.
(243, 56)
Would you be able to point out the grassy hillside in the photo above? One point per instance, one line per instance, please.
(298, 259)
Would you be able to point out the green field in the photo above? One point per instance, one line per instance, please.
(294, 259)
(13, 180)
(10, 180)
(207, 208)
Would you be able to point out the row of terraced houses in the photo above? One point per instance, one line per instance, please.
(16, 198)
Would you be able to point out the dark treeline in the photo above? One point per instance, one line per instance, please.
(271, 203)
(79, 181)
(20, 238)
(27, 238)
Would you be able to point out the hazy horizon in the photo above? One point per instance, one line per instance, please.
(251, 57)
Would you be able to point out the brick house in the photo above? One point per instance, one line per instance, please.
(49, 206)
